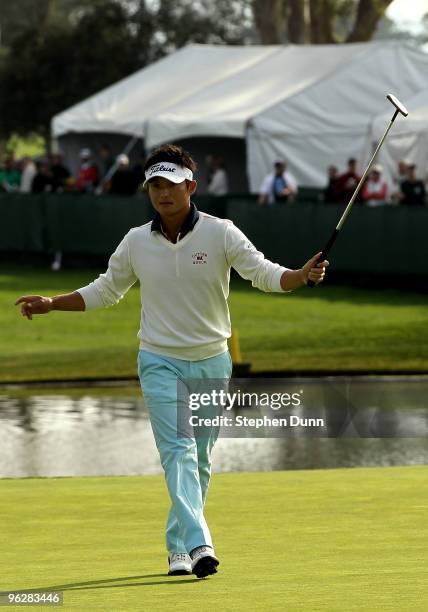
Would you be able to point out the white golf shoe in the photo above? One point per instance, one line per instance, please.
(204, 561)
(179, 564)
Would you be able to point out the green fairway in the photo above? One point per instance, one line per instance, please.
(329, 328)
(334, 540)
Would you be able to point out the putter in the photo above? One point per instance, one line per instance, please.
(399, 109)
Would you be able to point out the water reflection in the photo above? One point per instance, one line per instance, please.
(107, 432)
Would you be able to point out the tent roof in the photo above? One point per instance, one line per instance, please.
(126, 106)
(227, 105)
(204, 90)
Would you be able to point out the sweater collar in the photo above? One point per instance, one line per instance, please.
(188, 224)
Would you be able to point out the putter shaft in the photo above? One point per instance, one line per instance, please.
(399, 108)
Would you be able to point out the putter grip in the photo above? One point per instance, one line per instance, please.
(325, 252)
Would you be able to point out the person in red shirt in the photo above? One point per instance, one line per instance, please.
(88, 176)
(347, 182)
(331, 192)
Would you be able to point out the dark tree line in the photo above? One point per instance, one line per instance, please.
(54, 53)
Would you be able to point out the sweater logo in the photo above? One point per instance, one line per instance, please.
(199, 257)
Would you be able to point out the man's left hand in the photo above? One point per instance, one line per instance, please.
(314, 271)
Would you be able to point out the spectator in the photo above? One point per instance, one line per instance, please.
(60, 182)
(10, 176)
(375, 189)
(218, 182)
(123, 180)
(60, 174)
(28, 173)
(279, 186)
(106, 157)
(43, 180)
(412, 189)
(348, 181)
(331, 192)
(138, 170)
(401, 172)
(88, 175)
(398, 178)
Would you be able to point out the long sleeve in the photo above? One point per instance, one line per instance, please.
(291, 182)
(250, 263)
(111, 286)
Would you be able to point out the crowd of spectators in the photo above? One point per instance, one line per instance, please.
(109, 174)
(50, 175)
(408, 189)
(280, 186)
(103, 174)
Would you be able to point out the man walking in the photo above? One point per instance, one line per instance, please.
(182, 260)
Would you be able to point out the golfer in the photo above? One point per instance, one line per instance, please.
(182, 259)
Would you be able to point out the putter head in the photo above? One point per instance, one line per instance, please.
(400, 107)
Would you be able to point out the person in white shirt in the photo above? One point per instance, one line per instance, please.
(218, 183)
(182, 260)
(399, 176)
(28, 173)
(279, 186)
(375, 189)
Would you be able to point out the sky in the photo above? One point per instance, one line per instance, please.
(407, 12)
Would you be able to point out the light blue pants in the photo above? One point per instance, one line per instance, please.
(186, 461)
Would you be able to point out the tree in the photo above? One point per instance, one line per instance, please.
(67, 50)
(54, 53)
(268, 22)
(25, 15)
(368, 14)
(296, 22)
(317, 21)
(179, 22)
(44, 75)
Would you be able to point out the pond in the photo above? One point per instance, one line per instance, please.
(68, 431)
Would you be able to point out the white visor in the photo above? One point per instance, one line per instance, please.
(171, 172)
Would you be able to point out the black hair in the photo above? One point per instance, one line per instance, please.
(173, 154)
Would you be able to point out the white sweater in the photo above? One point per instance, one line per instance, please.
(184, 286)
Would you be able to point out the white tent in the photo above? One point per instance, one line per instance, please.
(312, 105)
(407, 140)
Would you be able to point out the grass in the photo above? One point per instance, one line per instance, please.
(329, 328)
(333, 540)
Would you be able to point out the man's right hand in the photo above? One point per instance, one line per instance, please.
(34, 304)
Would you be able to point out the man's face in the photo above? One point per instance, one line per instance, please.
(170, 198)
